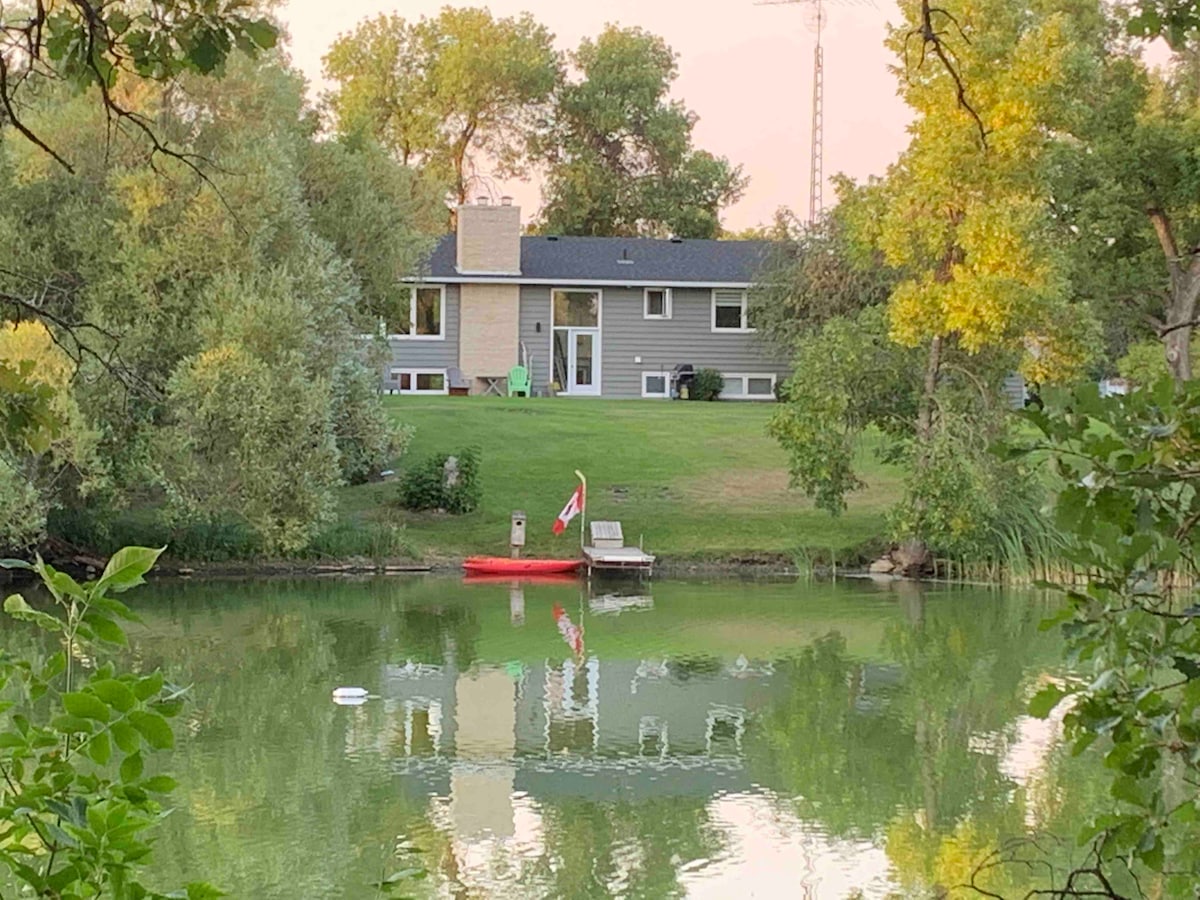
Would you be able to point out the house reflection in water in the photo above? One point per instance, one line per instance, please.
(590, 727)
(496, 752)
(483, 771)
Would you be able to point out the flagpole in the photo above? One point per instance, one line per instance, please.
(583, 509)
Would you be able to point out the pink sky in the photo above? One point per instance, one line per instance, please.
(746, 70)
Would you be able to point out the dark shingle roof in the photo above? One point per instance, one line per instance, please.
(597, 259)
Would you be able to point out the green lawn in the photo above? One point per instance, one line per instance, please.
(692, 479)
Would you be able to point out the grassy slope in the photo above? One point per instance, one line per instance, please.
(697, 479)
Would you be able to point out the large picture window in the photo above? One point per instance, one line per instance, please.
(730, 312)
(419, 313)
(576, 309)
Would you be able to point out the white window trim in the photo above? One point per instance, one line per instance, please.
(412, 316)
(396, 372)
(598, 329)
(745, 329)
(744, 378)
(666, 377)
(646, 314)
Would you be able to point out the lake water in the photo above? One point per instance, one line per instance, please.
(675, 739)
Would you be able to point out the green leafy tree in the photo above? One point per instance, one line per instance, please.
(76, 804)
(444, 93)
(815, 273)
(251, 436)
(619, 154)
(1127, 193)
(378, 215)
(101, 45)
(52, 452)
(251, 261)
(80, 45)
(1129, 507)
(963, 223)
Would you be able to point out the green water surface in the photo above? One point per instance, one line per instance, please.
(702, 740)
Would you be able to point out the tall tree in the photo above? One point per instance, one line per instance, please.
(619, 154)
(1137, 189)
(232, 298)
(89, 44)
(964, 221)
(446, 93)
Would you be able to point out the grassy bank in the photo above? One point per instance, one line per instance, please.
(696, 480)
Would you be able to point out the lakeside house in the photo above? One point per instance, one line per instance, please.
(586, 316)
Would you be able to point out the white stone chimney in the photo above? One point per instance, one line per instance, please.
(489, 238)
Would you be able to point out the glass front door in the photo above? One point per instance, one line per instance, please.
(583, 362)
(576, 360)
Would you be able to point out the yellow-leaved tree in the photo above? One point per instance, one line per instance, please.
(55, 445)
(966, 218)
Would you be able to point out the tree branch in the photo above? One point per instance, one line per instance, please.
(1166, 239)
(15, 121)
(932, 39)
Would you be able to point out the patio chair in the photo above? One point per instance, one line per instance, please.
(518, 381)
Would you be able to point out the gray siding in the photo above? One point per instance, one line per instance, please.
(662, 344)
(432, 354)
(535, 312)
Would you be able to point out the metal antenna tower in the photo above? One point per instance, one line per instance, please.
(816, 174)
(816, 156)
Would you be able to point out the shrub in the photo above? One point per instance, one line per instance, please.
(1146, 361)
(22, 513)
(215, 540)
(423, 486)
(373, 540)
(251, 438)
(707, 385)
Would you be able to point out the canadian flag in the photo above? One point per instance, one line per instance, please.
(573, 508)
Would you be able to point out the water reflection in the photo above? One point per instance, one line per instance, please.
(809, 741)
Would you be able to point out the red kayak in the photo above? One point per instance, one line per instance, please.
(500, 565)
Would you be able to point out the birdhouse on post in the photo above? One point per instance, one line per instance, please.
(516, 539)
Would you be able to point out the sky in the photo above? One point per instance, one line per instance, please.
(744, 69)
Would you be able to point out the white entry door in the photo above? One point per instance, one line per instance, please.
(585, 358)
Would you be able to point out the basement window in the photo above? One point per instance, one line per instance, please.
(417, 381)
(656, 384)
(755, 386)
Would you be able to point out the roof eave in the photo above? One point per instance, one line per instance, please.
(575, 282)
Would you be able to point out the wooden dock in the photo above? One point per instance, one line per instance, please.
(608, 553)
(629, 559)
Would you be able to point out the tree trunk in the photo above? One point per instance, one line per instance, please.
(1178, 345)
(1181, 306)
(933, 365)
(913, 554)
